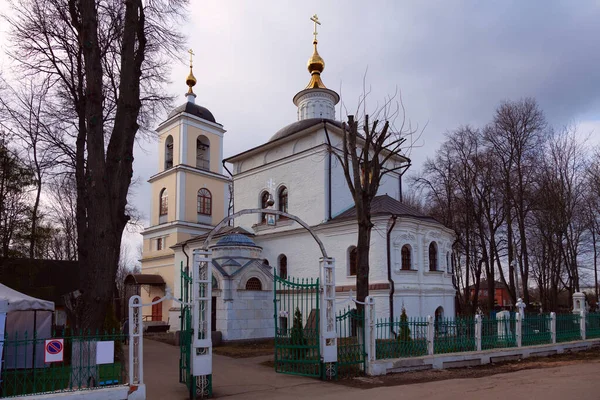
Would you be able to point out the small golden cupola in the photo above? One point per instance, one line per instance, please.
(191, 80)
(316, 101)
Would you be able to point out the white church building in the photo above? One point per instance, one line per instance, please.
(293, 172)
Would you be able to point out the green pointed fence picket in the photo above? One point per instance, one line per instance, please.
(592, 330)
(536, 329)
(568, 327)
(454, 335)
(497, 333)
(398, 339)
(24, 371)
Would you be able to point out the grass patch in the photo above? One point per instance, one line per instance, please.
(246, 349)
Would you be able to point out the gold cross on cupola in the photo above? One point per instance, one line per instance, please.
(315, 19)
(191, 79)
(191, 55)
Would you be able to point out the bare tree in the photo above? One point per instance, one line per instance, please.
(516, 135)
(369, 151)
(106, 62)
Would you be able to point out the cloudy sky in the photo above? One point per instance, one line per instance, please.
(453, 62)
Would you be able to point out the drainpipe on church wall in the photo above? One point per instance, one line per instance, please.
(389, 271)
(328, 172)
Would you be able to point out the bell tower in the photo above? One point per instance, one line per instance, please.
(190, 194)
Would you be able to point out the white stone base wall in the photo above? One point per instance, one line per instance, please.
(249, 316)
(474, 358)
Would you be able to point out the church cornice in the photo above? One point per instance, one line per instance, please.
(186, 118)
(277, 142)
(188, 168)
(171, 227)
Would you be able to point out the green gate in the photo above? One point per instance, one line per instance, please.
(350, 327)
(297, 349)
(185, 334)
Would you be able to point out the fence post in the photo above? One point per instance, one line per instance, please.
(370, 336)
(519, 329)
(582, 324)
(553, 326)
(430, 335)
(478, 331)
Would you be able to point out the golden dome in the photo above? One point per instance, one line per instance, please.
(315, 65)
(190, 81)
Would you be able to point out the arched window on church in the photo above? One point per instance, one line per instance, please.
(203, 153)
(264, 204)
(169, 152)
(283, 199)
(253, 284)
(204, 202)
(283, 267)
(406, 259)
(163, 208)
(433, 256)
(352, 261)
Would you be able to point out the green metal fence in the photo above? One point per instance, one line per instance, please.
(568, 327)
(454, 335)
(536, 329)
(397, 339)
(497, 333)
(297, 347)
(24, 371)
(592, 329)
(350, 327)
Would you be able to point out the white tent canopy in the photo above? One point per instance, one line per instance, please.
(18, 301)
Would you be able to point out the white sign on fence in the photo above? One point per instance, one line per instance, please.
(54, 350)
(105, 352)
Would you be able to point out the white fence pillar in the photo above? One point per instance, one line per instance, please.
(328, 340)
(582, 324)
(370, 335)
(519, 329)
(478, 326)
(553, 327)
(136, 341)
(201, 298)
(430, 335)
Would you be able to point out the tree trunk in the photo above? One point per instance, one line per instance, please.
(362, 274)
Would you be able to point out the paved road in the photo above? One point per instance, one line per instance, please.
(238, 379)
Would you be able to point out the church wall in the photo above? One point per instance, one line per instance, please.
(169, 182)
(248, 316)
(193, 183)
(192, 133)
(302, 175)
(173, 131)
(420, 290)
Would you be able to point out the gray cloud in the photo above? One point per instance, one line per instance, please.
(453, 61)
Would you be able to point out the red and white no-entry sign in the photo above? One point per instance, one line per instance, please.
(54, 350)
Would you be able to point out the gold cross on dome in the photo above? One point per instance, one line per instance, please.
(315, 19)
(191, 54)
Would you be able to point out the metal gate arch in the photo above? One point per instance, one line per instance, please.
(324, 292)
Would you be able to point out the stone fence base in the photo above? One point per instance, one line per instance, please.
(111, 393)
(469, 359)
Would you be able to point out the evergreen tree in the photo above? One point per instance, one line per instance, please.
(298, 334)
(404, 329)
